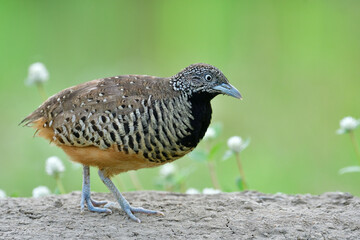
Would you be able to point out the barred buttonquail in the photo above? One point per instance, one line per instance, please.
(129, 122)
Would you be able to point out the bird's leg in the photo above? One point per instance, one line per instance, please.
(85, 194)
(122, 201)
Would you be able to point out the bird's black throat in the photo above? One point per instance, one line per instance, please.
(201, 111)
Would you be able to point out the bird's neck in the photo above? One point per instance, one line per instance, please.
(201, 112)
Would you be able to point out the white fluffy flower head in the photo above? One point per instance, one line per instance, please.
(211, 191)
(192, 191)
(348, 124)
(40, 191)
(37, 74)
(2, 194)
(237, 144)
(210, 134)
(167, 170)
(54, 166)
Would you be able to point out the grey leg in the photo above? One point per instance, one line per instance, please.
(122, 201)
(85, 195)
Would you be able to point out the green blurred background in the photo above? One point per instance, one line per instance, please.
(297, 64)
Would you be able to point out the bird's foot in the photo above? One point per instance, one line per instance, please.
(131, 210)
(94, 206)
(122, 201)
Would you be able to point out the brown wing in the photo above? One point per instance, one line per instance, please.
(81, 115)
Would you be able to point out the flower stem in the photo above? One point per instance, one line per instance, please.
(135, 180)
(213, 175)
(245, 186)
(354, 142)
(41, 90)
(59, 184)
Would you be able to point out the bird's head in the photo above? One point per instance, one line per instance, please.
(202, 78)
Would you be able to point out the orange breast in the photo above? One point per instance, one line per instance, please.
(110, 160)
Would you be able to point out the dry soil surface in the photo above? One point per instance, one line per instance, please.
(246, 215)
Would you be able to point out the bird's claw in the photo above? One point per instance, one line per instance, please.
(94, 206)
(131, 210)
(98, 203)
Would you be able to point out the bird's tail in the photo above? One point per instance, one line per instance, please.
(33, 117)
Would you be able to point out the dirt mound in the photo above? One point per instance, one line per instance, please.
(246, 215)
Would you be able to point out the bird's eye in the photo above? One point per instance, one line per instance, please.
(208, 77)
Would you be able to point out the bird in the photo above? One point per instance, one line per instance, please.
(129, 122)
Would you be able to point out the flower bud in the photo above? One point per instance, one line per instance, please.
(348, 124)
(210, 191)
(192, 191)
(2, 194)
(167, 170)
(54, 166)
(37, 74)
(235, 143)
(40, 191)
(210, 134)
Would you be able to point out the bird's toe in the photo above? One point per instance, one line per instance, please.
(98, 203)
(94, 206)
(146, 211)
(100, 210)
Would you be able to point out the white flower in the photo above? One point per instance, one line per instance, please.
(37, 74)
(54, 166)
(2, 194)
(348, 124)
(167, 170)
(236, 144)
(40, 191)
(210, 134)
(210, 191)
(192, 191)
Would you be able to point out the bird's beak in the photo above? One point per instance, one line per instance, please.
(228, 89)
